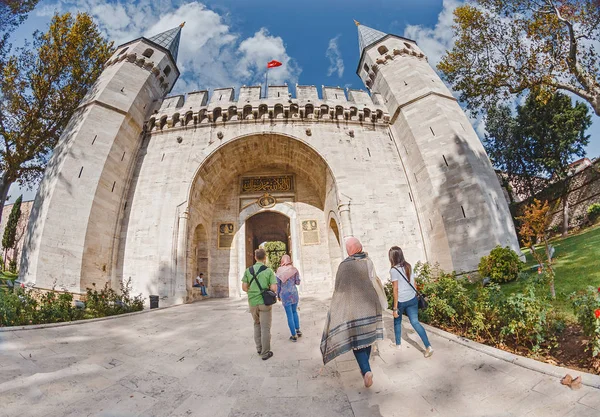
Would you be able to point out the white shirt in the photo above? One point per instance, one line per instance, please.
(405, 292)
(199, 280)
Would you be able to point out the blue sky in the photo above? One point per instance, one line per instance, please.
(227, 43)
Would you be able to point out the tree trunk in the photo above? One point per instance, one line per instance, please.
(565, 201)
(5, 183)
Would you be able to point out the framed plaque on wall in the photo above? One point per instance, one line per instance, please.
(225, 235)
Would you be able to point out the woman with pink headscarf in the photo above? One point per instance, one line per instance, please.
(355, 318)
(287, 279)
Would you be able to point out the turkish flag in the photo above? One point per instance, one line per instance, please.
(274, 64)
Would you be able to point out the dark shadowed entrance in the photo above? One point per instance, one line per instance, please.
(266, 226)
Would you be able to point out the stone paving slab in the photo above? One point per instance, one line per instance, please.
(199, 360)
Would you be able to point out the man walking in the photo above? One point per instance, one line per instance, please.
(261, 314)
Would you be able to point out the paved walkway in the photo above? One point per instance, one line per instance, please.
(199, 360)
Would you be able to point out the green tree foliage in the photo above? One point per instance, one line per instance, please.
(10, 231)
(536, 147)
(501, 265)
(12, 14)
(40, 90)
(507, 47)
(275, 251)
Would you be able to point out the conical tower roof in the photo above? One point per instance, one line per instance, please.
(169, 40)
(367, 36)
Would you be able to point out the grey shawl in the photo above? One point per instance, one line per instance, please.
(355, 316)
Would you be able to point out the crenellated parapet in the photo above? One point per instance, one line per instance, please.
(144, 63)
(199, 108)
(388, 57)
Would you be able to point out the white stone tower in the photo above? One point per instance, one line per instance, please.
(460, 205)
(76, 215)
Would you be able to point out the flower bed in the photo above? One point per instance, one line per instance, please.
(24, 306)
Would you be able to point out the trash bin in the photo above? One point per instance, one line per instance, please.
(154, 301)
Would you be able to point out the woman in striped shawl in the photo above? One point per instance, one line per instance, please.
(355, 320)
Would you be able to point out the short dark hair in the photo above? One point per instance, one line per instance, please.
(260, 254)
(201, 273)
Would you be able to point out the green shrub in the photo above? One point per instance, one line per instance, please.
(389, 294)
(107, 302)
(485, 313)
(23, 306)
(526, 317)
(587, 310)
(501, 265)
(593, 212)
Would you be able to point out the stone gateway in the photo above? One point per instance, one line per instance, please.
(155, 189)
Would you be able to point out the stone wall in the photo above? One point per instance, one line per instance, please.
(584, 190)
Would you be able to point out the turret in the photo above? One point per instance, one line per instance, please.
(461, 208)
(73, 233)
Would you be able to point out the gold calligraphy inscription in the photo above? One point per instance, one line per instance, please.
(268, 184)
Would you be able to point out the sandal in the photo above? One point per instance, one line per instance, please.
(267, 355)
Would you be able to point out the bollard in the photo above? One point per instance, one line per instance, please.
(154, 301)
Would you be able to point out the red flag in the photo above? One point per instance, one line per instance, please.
(274, 64)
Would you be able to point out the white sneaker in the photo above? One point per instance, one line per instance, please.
(395, 346)
(428, 352)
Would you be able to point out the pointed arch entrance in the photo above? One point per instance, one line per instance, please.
(260, 188)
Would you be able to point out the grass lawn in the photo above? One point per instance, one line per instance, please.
(576, 263)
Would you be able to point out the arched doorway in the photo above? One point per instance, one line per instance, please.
(260, 188)
(266, 226)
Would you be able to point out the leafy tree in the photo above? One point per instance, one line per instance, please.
(534, 224)
(506, 47)
(40, 90)
(12, 14)
(275, 251)
(538, 145)
(10, 232)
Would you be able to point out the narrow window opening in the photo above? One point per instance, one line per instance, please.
(167, 70)
(123, 51)
(407, 45)
(336, 96)
(123, 157)
(410, 197)
(148, 53)
(163, 157)
(94, 139)
(432, 132)
(220, 97)
(369, 151)
(416, 177)
(125, 206)
(430, 224)
(366, 67)
(80, 171)
(463, 212)
(445, 161)
(113, 187)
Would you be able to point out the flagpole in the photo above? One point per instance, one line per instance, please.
(266, 82)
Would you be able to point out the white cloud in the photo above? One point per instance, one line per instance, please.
(211, 54)
(259, 49)
(435, 42)
(336, 63)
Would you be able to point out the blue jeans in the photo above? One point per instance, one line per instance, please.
(412, 311)
(203, 290)
(292, 317)
(362, 357)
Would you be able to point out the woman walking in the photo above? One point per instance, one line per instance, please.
(355, 320)
(287, 279)
(405, 298)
